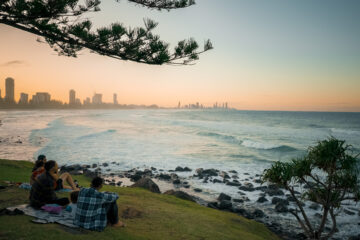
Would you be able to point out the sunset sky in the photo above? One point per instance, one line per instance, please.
(269, 55)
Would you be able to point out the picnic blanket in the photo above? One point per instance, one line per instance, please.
(27, 186)
(64, 217)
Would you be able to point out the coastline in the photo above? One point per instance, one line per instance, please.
(266, 204)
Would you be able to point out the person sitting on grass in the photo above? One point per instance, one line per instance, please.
(73, 205)
(43, 189)
(38, 168)
(95, 209)
(64, 177)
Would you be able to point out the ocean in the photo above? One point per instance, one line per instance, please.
(222, 139)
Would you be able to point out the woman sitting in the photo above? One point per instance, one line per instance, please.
(39, 169)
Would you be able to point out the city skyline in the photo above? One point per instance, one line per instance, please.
(299, 56)
(43, 98)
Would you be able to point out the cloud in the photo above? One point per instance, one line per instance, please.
(13, 63)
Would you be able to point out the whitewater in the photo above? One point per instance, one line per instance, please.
(226, 139)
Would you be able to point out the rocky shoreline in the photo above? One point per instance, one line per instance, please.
(264, 203)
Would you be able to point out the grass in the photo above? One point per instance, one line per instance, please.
(163, 216)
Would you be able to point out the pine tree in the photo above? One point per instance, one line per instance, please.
(65, 28)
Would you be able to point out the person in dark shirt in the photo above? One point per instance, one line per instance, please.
(44, 186)
(39, 169)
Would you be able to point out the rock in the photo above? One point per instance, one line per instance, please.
(314, 206)
(185, 182)
(261, 188)
(119, 183)
(241, 193)
(199, 170)
(238, 200)
(94, 165)
(348, 212)
(176, 181)
(210, 172)
(248, 184)
(246, 173)
(105, 164)
(197, 190)
(258, 213)
(130, 213)
(85, 166)
(225, 205)
(235, 177)
(232, 171)
(217, 181)
(136, 177)
(262, 200)
(223, 197)
(180, 194)
(164, 176)
(179, 169)
(212, 205)
(112, 183)
(257, 181)
(148, 184)
(108, 170)
(243, 212)
(233, 184)
(274, 192)
(247, 189)
(90, 174)
(153, 169)
(186, 186)
(223, 174)
(281, 208)
(277, 200)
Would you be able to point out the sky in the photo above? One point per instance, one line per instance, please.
(268, 55)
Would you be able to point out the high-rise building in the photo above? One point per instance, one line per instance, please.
(41, 98)
(24, 98)
(115, 99)
(97, 98)
(72, 97)
(9, 90)
(87, 101)
(77, 101)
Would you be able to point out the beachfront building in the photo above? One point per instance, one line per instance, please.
(115, 101)
(24, 98)
(9, 90)
(41, 98)
(72, 97)
(97, 98)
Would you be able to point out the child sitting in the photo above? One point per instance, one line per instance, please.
(73, 205)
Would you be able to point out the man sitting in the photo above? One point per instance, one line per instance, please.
(43, 189)
(95, 208)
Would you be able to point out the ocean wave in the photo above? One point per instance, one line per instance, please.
(98, 134)
(345, 131)
(227, 138)
(267, 146)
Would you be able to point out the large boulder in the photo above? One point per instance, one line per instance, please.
(225, 205)
(223, 197)
(180, 194)
(148, 184)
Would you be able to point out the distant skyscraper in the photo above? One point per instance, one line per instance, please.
(97, 98)
(72, 97)
(115, 99)
(41, 98)
(9, 90)
(24, 98)
(77, 101)
(179, 105)
(87, 101)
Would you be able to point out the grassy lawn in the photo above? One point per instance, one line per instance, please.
(163, 216)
